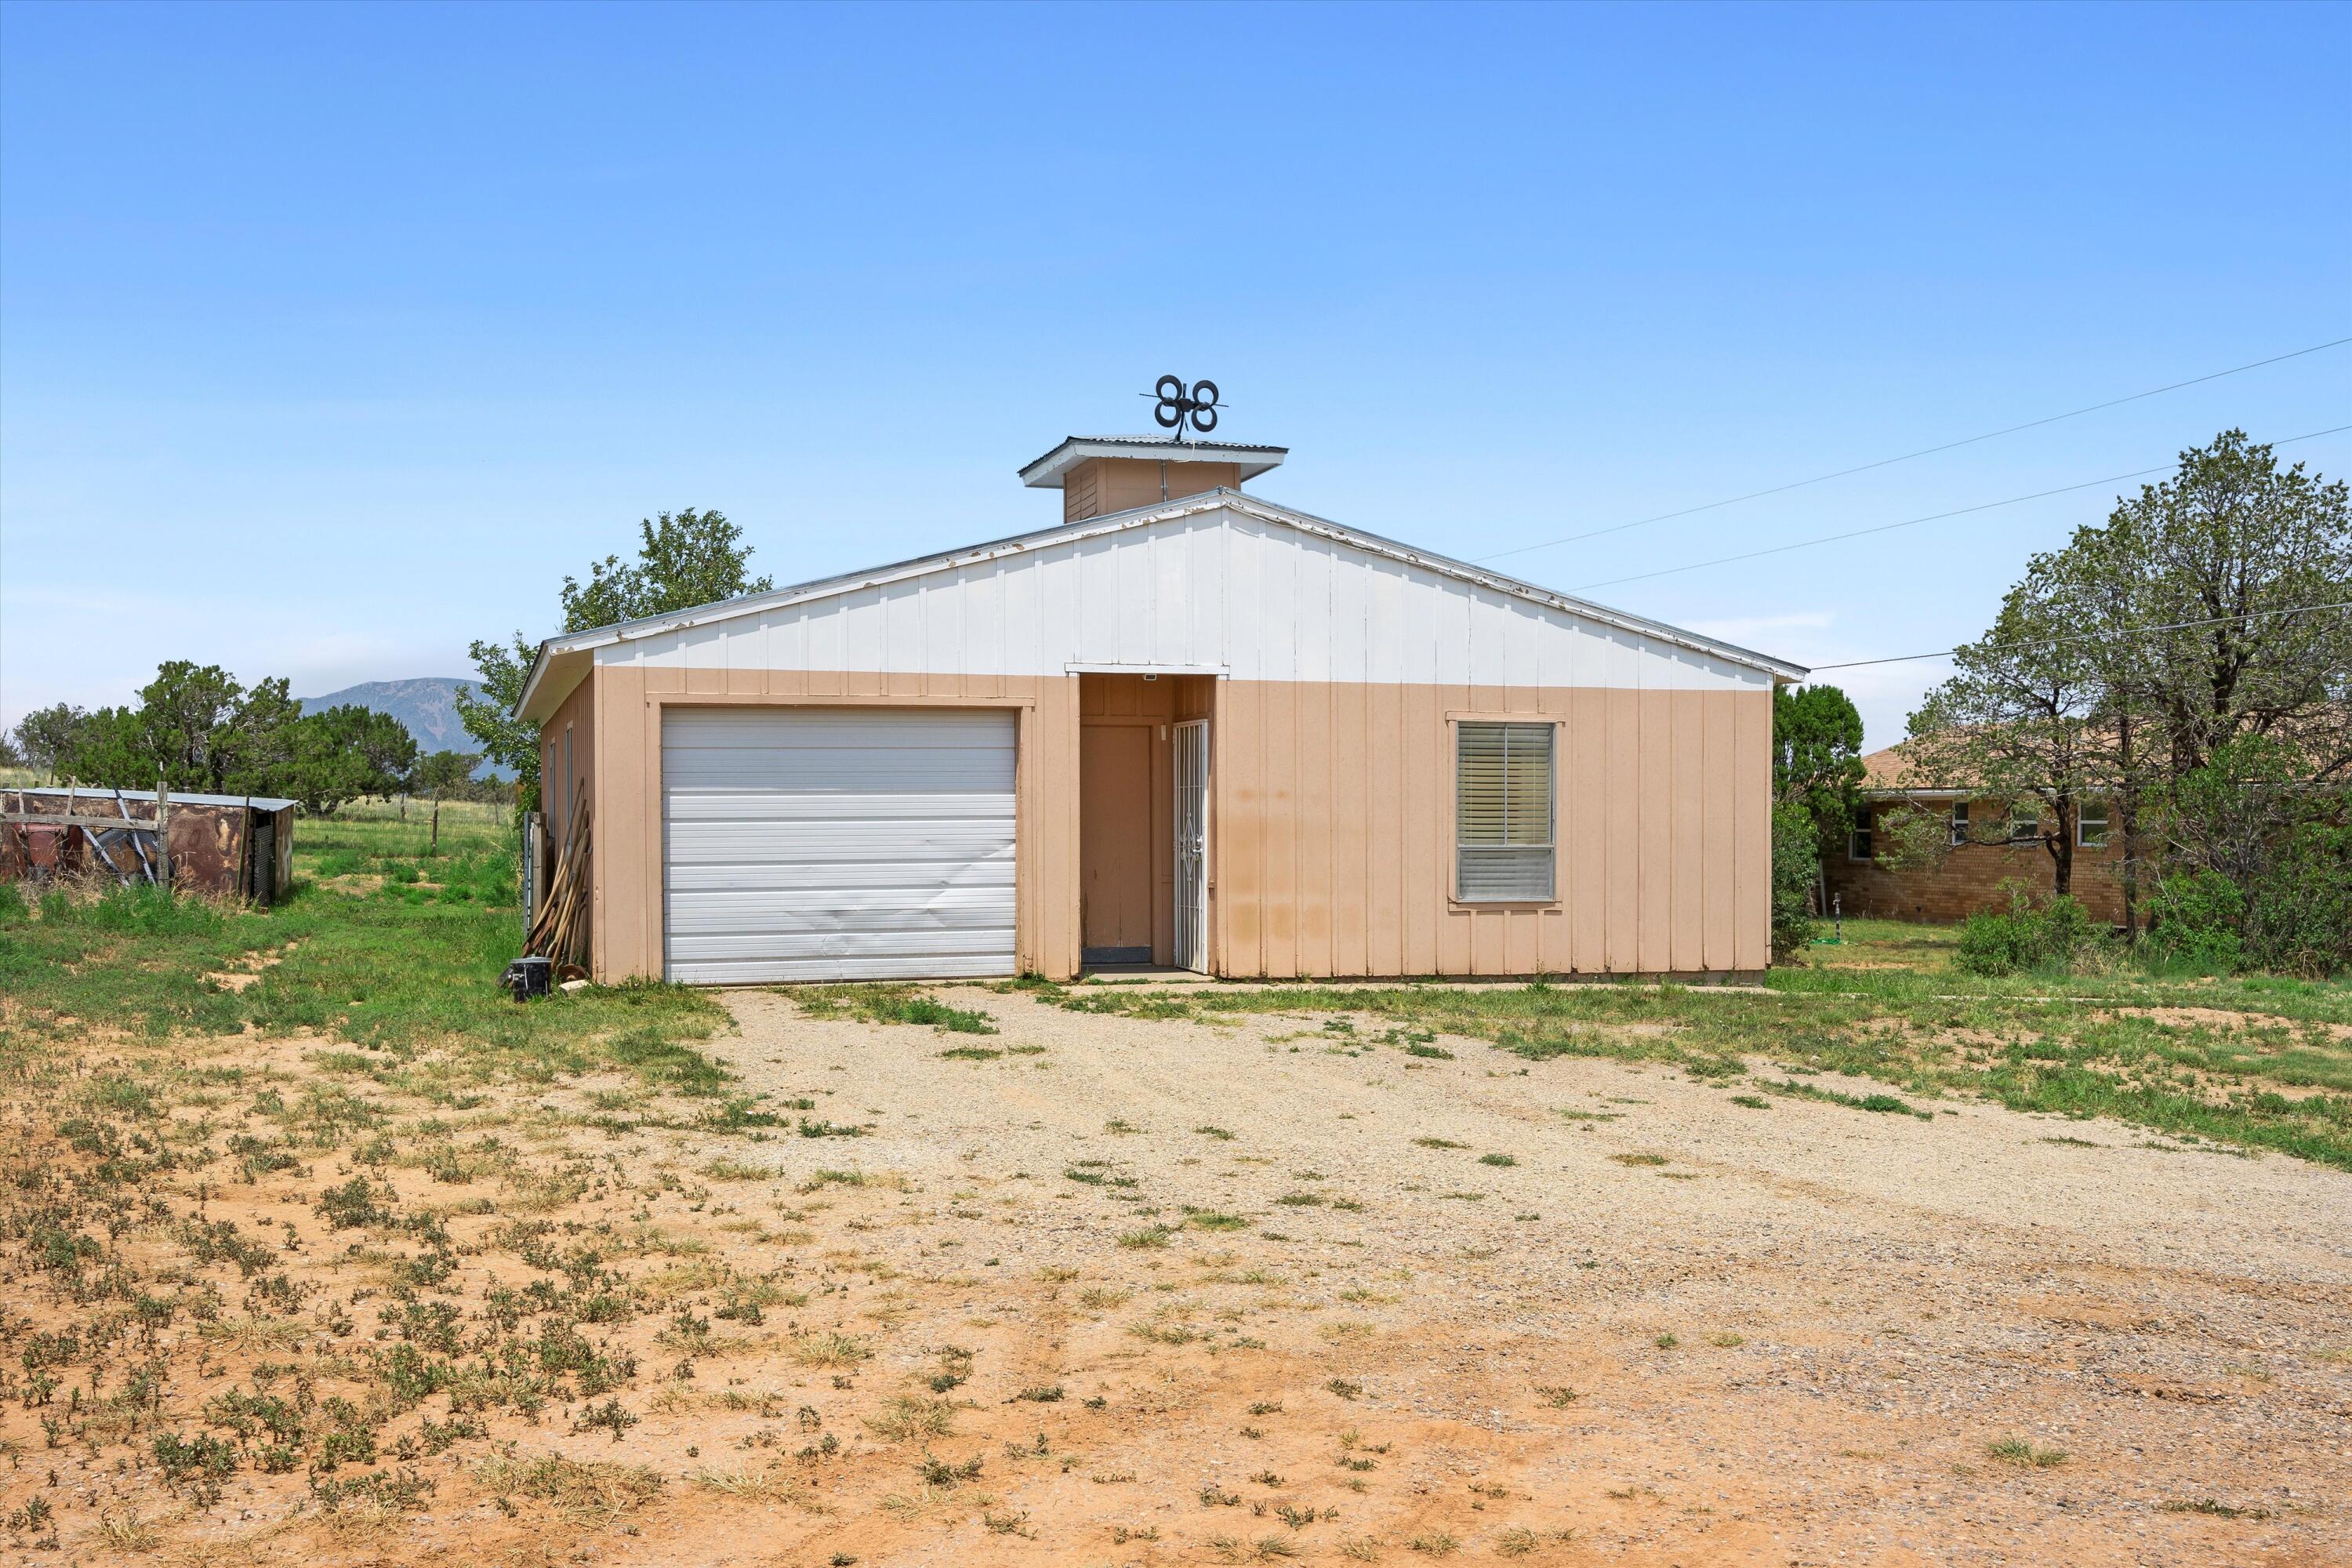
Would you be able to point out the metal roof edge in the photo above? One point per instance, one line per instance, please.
(270, 803)
(1519, 588)
(1046, 471)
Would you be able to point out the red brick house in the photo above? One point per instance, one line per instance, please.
(1983, 854)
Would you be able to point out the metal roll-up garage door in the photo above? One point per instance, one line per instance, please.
(836, 844)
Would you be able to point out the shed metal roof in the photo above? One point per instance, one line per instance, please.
(179, 797)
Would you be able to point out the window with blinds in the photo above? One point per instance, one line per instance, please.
(1502, 799)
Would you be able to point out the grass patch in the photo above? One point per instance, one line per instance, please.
(888, 1005)
(1890, 1006)
(2017, 1451)
(339, 958)
(1883, 1104)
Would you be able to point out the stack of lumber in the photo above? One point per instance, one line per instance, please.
(561, 931)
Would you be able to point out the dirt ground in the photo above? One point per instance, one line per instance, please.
(1793, 1340)
(1119, 1290)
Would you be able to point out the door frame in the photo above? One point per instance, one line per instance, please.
(653, 847)
(1152, 729)
(1203, 794)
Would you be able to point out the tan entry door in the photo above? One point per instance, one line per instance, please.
(1115, 842)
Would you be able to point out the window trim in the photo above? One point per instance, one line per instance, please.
(1956, 824)
(2031, 826)
(1860, 832)
(1453, 722)
(2081, 821)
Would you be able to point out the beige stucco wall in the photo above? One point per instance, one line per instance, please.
(1331, 821)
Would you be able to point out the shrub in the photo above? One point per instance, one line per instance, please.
(1796, 848)
(1997, 942)
(2299, 918)
(2198, 923)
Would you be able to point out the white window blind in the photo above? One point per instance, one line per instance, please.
(1502, 799)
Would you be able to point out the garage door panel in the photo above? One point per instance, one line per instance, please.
(881, 910)
(767, 804)
(845, 770)
(923, 729)
(976, 944)
(775, 844)
(837, 844)
(871, 966)
(737, 877)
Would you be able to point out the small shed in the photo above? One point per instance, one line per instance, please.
(1183, 726)
(231, 845)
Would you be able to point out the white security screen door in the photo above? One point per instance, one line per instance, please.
(836, 844)
(1192, 845)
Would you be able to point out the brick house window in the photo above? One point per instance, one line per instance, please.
(1857, 838)
(2024, 824)
(2090, 824)
(1960, 823)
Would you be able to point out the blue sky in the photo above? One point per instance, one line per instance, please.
(331, 337)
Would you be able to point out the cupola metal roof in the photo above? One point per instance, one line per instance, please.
(1047, 472)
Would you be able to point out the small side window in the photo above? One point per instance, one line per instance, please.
(1960, 823)
(1857, 841)
(1504, 849)
(2090, 824)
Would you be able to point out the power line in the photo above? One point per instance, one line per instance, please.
(1915, 521)
(1923, 452)
(2107, 636)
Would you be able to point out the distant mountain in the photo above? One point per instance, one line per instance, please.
(426, 705)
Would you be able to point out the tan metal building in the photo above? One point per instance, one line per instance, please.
(1184, 726)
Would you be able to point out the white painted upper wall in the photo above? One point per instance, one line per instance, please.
(1213, 589)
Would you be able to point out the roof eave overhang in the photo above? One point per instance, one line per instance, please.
(536, 703)
(1048, 471)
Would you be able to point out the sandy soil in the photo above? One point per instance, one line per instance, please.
(1126, 1291)
(1858, 1304)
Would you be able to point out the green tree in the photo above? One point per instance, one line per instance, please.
(1817, 756)
(46, 733)
(2234, 539)
(185, 720)
(684, 559)
(108, 747)
(343, 753)
(317, 767)
(257, 743)
(488, 713)
(2019, 718)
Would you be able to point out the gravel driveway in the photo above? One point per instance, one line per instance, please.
(1602, 1298)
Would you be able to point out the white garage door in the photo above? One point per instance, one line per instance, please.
(832, 844)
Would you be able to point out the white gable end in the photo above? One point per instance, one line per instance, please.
(1215, 588)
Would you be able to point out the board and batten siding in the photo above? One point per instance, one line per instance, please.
(1332, 769)
(1216, 589)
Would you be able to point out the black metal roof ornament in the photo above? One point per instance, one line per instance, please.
(1178, 406)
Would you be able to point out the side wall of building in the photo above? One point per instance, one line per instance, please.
(1971, 876)
(1331, 830)
(1333, 825)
